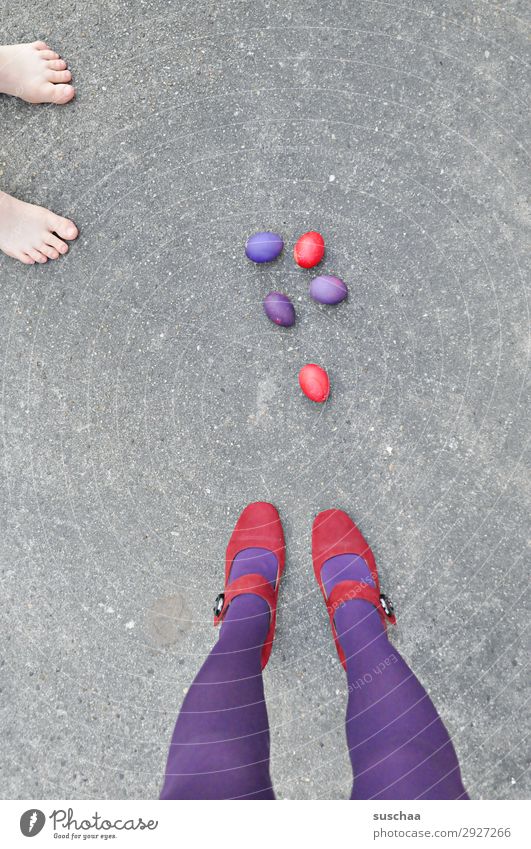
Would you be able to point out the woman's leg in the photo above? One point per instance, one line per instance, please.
(398, 745)
(220, 745)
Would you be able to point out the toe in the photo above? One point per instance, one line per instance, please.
(48, 54)
(61, 93)
(59, 76)
(56, 64)
(36, 255)
(40, 45)
(64, 228)
(48, 251)
(54, 242)
(27, 260)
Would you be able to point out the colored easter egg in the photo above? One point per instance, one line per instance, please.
(264, 247)
(279, 309)
(327, 289)
(309, 249)
(314, 382)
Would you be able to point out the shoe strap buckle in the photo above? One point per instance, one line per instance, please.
(387, 605)
(219, 604)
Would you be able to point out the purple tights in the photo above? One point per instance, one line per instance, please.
(398, 745)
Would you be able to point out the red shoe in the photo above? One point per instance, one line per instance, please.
(259, 526)
(334, 533)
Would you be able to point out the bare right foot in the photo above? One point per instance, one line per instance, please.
(32, 233)
(35, 73)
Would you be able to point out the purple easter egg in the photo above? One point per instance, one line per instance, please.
(264, 247)
(326, 289)
(279, 309)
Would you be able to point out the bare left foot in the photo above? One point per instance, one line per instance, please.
(32, 233)
(35, 73)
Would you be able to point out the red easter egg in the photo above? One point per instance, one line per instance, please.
(309, 249)
(314, 382)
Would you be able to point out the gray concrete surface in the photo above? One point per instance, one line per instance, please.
(146, 398)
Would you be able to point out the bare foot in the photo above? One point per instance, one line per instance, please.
(32, 233)
(35, 73)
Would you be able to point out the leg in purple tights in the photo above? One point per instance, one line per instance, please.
(220, 745)
(398, 745)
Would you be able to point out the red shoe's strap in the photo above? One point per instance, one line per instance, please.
(253, 584)
(349, 590)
